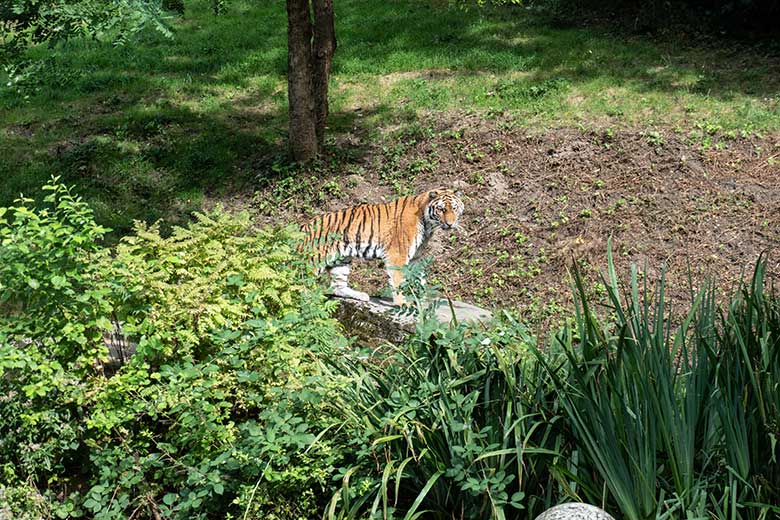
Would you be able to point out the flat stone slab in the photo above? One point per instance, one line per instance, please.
(464, 312)
(379, 319)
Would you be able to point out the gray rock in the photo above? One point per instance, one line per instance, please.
(379, 320)
(372, 322)
(464, 312)
(575, 511)
(120, 347)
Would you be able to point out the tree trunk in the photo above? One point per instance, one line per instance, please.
(323, 49)
(300, 82)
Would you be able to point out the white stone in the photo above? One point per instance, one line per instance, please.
(575, 511)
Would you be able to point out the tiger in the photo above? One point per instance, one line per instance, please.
(395, 232)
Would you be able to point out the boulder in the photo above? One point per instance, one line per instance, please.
(372, 322)
(378, 320)
(120, 348)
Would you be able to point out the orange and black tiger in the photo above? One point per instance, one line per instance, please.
(395, 232)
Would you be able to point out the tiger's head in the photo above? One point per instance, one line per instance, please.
(444, 208)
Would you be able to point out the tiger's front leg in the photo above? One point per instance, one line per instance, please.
(396, 278)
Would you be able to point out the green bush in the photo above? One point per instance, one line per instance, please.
(224, 392)
(55, 307)
(21, 501)
(220, 409)
(651, 415)
(460, 419)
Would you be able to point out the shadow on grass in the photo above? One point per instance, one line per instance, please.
(402, 35)
(161, 161)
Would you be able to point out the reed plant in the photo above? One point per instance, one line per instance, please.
(460, 421)
(677, 414)
(648, 412)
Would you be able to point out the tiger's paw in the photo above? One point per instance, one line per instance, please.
(399, 300)
(346, 292)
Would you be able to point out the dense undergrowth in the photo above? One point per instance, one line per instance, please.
(245, 399)
(219, 409)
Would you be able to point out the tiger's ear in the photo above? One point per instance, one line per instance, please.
(432, 194)
(458, 193)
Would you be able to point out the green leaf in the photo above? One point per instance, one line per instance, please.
(516, 500)
(410, 515)
(59, 281)
(104, 323)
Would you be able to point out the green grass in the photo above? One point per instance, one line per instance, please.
(150, 129)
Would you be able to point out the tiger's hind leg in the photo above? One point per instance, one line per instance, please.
(339, 278)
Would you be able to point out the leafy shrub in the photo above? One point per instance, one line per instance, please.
(54, 20)
(21, 502)
(458, 421)
(220, 409)
(215, 272)
(231, 335)
(649, 416)
(55, 307)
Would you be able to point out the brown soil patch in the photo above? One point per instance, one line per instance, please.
(26, 130)
(538, 204)
(391, 79)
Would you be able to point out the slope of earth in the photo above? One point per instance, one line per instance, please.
(539, 203)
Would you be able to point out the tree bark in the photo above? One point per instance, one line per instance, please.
(300, 82)
(323, 49)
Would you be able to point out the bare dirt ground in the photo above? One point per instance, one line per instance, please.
(537, 204)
